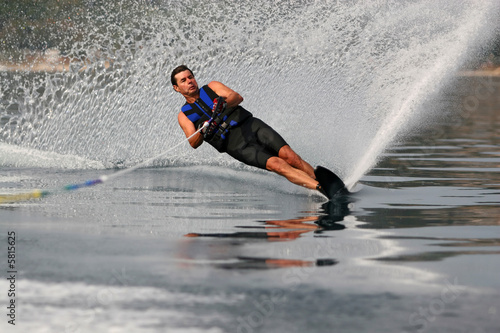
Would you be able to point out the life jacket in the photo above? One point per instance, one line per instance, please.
(201, 111)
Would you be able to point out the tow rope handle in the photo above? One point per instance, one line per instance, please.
(213, 123)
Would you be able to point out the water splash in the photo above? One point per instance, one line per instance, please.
(340, 81)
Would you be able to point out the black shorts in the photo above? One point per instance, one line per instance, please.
(254, 142)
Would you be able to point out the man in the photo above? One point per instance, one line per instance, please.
(242, 136)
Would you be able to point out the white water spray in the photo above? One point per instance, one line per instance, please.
(339, 81)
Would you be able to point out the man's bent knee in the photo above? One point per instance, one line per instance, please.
(289, 156)
(275, 164)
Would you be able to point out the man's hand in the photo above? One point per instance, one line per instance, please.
(219, 107)
(204, 127)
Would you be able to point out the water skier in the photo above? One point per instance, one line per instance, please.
(237, 133)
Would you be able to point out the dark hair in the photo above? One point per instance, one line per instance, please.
(178, 70)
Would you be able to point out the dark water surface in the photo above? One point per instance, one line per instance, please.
(212, 249)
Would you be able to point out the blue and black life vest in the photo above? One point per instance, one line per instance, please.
(201, 111)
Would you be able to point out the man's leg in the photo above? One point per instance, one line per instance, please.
(273, 141)
(287, 154)
(294, 175)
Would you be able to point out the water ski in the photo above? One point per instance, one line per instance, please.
(331, 184)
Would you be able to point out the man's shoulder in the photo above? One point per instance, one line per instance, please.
(214, 84)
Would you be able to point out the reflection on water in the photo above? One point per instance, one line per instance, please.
(272, 230)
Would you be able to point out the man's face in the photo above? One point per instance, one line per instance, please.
(186, 83)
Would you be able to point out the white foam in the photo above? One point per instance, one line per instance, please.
(20, 157)
(78, 307)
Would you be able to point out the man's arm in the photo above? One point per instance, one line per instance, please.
(232, 97)
(188, 128)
